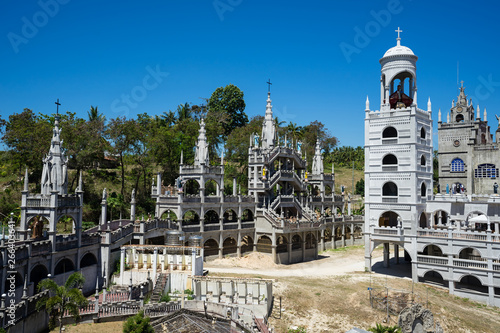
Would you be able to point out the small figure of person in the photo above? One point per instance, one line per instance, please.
(439, 189)
(454, 189)
(495, 188)
(447, 189)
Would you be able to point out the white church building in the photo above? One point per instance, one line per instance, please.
(451, 239)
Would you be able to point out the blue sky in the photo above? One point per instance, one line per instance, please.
(96, 52)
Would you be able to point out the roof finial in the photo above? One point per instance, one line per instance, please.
(399, 37)
(57, 103)
(269, 85)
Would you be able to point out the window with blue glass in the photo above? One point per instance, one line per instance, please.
(486, 171)
(457, 165)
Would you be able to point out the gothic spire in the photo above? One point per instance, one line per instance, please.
(317, 166)
(54, 174)
(268, 128)
(201, 154)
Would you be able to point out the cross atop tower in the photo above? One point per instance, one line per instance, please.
(269, 85)
(399, 37)
(57, 103)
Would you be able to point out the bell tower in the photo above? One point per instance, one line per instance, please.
(398, 158)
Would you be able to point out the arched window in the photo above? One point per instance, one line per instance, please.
(389, 132)
(423, 190)
(422, 160)
(486, 171)
(459, 118)
(422, 133)
(457, 165)
(390, 189)
(389, 159)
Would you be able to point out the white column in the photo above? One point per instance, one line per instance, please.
(154, 262)
(122, 264)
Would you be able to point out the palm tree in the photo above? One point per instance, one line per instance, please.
(296, 132)
(169, 118)
(64, 298)
(94, 115)
(184, 111)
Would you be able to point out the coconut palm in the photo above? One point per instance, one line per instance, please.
(64, 298)
(94, 115)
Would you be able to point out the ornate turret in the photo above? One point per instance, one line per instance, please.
(201, 154)
(268, 127)
(55, 173)
(398, 84)
(317, 166)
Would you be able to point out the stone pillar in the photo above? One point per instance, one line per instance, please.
(303, 247)
(132, 208)
(122, 265)
(440, 218)
(386, 255)
(104, 210)
(322, 242)
(154, 262)
(289, 247)
(396, 253)
(273, 247)
(193, 262)
(352, 233)
(221, 244)
(343, 235)
(238, 245)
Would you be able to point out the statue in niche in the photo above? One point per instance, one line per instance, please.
(256, 140)
(37, 227)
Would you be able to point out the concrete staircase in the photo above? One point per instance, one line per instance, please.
(159, 288)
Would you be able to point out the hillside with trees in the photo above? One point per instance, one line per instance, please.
(122, 154)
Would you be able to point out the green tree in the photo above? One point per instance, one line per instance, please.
(435, 167)
(28, 138)
(138, 324)
(95, 115)
(229, 101)
(123, 135)
(360, 187)
(65, 298)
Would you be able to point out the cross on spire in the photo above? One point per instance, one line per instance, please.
(462, 83)
(399, 31)
(269, 85)
(57, 103)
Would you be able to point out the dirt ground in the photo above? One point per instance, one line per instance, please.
(331, 294)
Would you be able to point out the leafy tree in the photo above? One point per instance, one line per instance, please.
(229, 101)
(435, 166)
(360, 187)
(28, 138)
(123, 135)
(65, 298)
(138, 324)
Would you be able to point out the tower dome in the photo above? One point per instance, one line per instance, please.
(398, 82)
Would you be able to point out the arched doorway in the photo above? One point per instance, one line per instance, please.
(246, 244)
(388, 219)
(37, 274)
(264, 244)
(63, 266)
(229, 246)
(211, 248)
